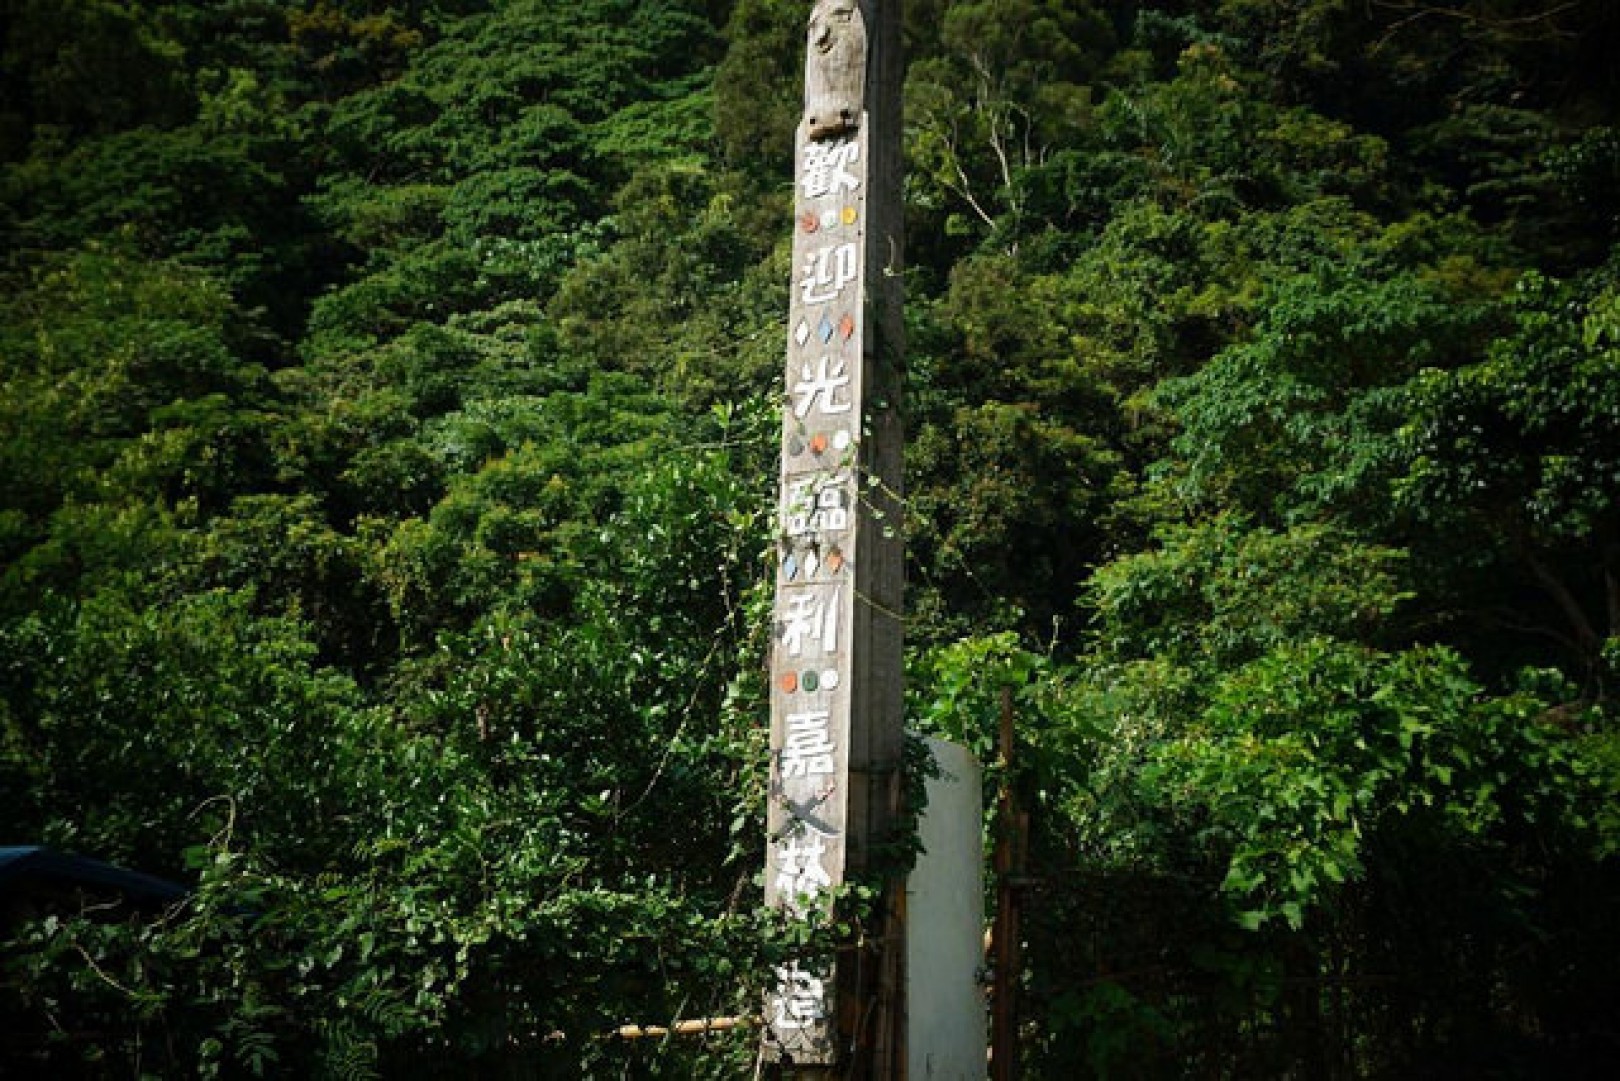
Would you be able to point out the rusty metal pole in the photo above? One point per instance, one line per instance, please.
(1008, 859)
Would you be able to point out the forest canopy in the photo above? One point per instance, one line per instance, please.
(387, 441)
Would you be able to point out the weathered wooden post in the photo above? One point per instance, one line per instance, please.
(836, 705)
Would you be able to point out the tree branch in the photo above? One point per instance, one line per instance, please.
(1611, 585)
(1415, 11)
(1586, 637)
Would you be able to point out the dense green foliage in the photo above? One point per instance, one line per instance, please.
(386, 450)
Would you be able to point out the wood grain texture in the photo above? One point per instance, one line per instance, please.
(834, 68)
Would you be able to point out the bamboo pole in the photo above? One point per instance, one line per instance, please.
(693, 1027)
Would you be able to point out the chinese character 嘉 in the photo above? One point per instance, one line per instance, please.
(808, 749)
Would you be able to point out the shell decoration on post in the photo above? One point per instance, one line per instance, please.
(834, 69)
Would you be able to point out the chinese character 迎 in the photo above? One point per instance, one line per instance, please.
(826, 271)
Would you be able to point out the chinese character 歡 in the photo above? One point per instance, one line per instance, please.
(826, 168)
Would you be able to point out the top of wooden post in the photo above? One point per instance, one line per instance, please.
(834, 68)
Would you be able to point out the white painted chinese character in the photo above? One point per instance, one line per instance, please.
(831, 515)
(822, 381)
(816, 505)
(826, 168)
(807, 749)
(800, 504)
(800, 1001)
(811, 617)
(826, 271)
(800, 875)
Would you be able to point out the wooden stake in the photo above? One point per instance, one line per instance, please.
(836, 699)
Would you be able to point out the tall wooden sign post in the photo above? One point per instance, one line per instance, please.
(836, 705)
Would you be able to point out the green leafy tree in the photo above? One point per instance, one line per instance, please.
(1517, 451)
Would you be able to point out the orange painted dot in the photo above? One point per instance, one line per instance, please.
(846, 326)
(818, 442)
(810, 222)
(834, 561)
(789, 682)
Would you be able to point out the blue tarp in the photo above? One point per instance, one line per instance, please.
(26, 868)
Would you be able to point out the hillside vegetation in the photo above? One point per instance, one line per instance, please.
(387, 453)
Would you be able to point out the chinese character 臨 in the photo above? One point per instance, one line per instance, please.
(816, 505)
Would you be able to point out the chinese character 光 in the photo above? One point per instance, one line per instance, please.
(822, 381)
